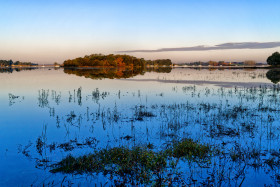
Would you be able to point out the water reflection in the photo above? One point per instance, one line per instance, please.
(13, 99)
(11, 70)
(119, 73)
(90, 116)
(273, 75)
(240, 123)
(114, 73)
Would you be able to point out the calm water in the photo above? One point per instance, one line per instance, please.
(78, 111)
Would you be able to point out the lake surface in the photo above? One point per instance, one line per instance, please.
(47, 114)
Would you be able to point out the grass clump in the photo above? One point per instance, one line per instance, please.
(189, 149)
(83, 164)
(139, 165)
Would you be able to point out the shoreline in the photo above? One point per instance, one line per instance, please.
(173, 67)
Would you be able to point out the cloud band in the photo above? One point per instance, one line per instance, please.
(224, 46)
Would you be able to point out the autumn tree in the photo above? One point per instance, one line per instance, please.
(213, 63)
(250, 63)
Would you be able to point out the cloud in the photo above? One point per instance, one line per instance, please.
(224, 46)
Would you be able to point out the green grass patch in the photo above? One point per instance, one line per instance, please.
(138, 163)
(189, 149)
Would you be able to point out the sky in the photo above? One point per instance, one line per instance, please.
(48, 31)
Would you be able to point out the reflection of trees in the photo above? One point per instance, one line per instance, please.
(10, 70)
(115, 73)
(111, 73)
(159, 69)
(273, 75)
(6, 70)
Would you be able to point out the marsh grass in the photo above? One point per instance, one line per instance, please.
(14, 99)
(242, 123)
(189, 149)
(141, 113)
(138, 164)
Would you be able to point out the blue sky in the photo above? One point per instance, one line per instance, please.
(49, 31)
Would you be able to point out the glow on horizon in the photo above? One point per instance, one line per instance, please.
(45, 32)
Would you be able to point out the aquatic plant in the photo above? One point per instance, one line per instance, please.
(13, 99)
(138, 164)
(210, 136)
(189, 149)
(43, 98)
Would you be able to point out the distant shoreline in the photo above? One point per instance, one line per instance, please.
(176, 66)
(228, 67)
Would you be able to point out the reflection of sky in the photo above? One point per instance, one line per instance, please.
(219, 77)
(23, 121)
(48, 31)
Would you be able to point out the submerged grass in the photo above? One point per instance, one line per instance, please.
(138, 164)
(189, 149)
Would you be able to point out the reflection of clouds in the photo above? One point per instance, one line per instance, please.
(241, 45)
(201, 82)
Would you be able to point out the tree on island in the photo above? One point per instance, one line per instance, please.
(250, 63)
(213, 63)
(274, 59)
(17, 63)
(6, 62)
(56, 64)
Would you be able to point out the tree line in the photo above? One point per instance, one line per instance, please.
(17, 63)
(114, 61)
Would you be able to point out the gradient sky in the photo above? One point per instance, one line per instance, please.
(49, 31)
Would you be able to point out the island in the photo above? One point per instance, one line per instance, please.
(111, 60)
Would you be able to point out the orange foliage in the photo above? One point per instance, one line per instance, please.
(119, 61)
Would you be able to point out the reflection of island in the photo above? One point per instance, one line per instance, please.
(273, 75)
(114, 73)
